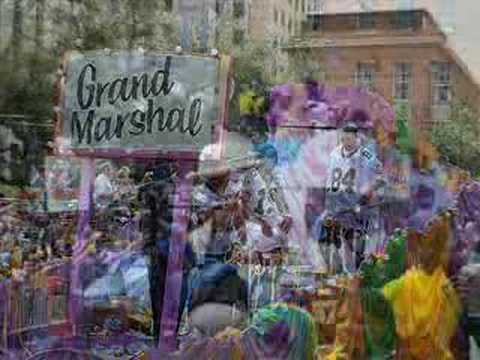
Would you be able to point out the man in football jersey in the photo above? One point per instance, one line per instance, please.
(353, 178)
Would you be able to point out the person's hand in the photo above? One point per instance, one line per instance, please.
(233, 205)
(286, 224)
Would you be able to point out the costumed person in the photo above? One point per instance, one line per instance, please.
(267, 232)
(156, 208)
(265, 281)
(252, 109)
(378, 318)
(425, 304)
(354, 177)
(217, 227)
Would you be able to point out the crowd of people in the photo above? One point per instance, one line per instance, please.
(356, 271)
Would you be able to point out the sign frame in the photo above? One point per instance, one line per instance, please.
(222, 89)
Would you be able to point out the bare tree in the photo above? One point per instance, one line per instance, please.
(39, 24)
(17, 27)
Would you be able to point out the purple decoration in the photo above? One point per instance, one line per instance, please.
(83, 229)
(332, 107)
(466, 226)
(314, 91)
(173, 286)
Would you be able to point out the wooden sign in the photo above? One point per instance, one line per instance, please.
(131, 103)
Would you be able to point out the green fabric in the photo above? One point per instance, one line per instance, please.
(405, 142)
(379, 321)
(301, 326)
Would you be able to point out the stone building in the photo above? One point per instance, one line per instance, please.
(402, 54)
(275, 19)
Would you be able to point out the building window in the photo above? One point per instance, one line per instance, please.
(275, 16)
(405, 20)
(365, 75)
(314, 6)
(303, 5)
(283, 18)
(402, 78)
(366, 21)
(297, 5)
(441, 83)
(316, 21)
(289, 26)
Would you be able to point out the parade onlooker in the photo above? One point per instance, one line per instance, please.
(156, 227)
(124, 185)
(104, 185)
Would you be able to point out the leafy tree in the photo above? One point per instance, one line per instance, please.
(457, 139)
(29, 61)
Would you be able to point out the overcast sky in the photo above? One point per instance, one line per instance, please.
(465, 37)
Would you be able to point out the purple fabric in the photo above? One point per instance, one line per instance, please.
(343, 103)
(280, 99)
(466, 226)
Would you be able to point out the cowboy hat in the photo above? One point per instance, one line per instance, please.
(220, 159)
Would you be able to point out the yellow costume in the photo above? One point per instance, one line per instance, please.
(426, 309)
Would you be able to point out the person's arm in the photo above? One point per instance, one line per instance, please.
(202, 214)
(257, 200)
(372, 174)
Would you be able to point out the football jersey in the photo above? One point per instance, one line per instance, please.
(349, 176)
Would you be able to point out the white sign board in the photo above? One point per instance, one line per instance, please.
(128, 103)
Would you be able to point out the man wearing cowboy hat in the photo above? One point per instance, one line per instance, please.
(231, 204)
(235, 190)
(219, 200)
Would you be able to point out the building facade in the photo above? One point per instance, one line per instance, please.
(277, 20)
(402, 54)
